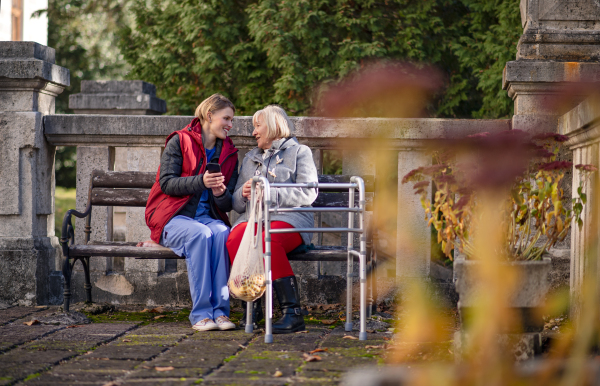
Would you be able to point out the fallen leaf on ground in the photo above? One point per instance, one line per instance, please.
(327, 322)
(318, 350)
(111, 383)
(368, 346)
(160, 316)
(371, 331)
(166, 368)
(31, 322)
(384, 338)
(278, 374)
(158, 310)
(146, 310)
(73, 326)
(302, 332)
(126, 340)
(350, 337)
(311, 358)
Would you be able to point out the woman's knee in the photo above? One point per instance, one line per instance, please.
(199, 232)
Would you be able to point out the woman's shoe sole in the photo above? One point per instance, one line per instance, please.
(300, 328)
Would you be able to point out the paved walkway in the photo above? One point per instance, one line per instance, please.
(166, 352)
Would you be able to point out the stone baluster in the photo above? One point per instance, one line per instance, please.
(29, 83)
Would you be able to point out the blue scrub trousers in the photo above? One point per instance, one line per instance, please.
(202, 242)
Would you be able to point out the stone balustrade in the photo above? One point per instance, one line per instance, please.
(406, 137)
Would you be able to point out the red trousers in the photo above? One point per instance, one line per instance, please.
(281, 245)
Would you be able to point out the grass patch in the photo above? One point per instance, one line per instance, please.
(64, 199)
(32, 376)
(140, 317)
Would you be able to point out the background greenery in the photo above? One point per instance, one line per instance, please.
(265, 51)
(286, 51)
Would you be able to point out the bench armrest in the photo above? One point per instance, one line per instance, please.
(68, 232)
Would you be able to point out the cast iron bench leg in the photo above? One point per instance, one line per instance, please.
(87, 286)
(66, 270)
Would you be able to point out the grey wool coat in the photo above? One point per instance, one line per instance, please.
(287, 161)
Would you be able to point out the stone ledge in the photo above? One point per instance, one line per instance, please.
(581, 123)
(117, 87)
(26, 50)
(140, 103)
(33, 69)
(580, 117)
(536, 71)
(121, 130)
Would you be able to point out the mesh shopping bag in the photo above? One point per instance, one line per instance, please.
(247, 278)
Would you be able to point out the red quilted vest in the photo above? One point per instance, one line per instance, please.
(161, 208)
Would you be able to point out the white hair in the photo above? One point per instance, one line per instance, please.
(278, 123)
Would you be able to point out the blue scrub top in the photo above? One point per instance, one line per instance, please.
(203, 209)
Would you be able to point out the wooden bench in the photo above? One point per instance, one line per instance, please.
(131, 189)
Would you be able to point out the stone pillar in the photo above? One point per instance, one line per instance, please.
(129, 97)
(582, 125)
(413, 237)
(29, 83)
(560, 46)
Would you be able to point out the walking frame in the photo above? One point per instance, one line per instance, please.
(356, 183)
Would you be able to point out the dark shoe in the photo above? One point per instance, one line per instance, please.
(257, 313)
(288, 295)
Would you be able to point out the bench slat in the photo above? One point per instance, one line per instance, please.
(339, 200)
(128, 249)
(110, 179)
(138, 197)
(132, 179)
(122, 251)
(120, 197)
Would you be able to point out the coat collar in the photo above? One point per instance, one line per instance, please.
(256, 154)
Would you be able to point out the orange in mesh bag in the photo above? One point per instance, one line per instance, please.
(247, 278)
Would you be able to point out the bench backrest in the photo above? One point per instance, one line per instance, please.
(109, 188)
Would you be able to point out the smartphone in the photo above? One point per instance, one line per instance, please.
(212, 167)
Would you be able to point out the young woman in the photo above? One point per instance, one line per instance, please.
(280, 158)
(187, 207)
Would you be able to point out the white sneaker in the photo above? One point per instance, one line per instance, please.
(224, 323)
(205, 324)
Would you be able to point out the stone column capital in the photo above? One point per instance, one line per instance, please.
(29, 79)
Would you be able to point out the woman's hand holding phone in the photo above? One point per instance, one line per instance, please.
(214, 181)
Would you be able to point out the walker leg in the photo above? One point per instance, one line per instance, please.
(363, 297)
(349, 275)
(249, 322)
(269, 310)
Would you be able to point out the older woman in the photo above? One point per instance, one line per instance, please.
(186, 209)
(280, 158)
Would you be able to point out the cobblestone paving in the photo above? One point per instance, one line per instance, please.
(171, 353)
